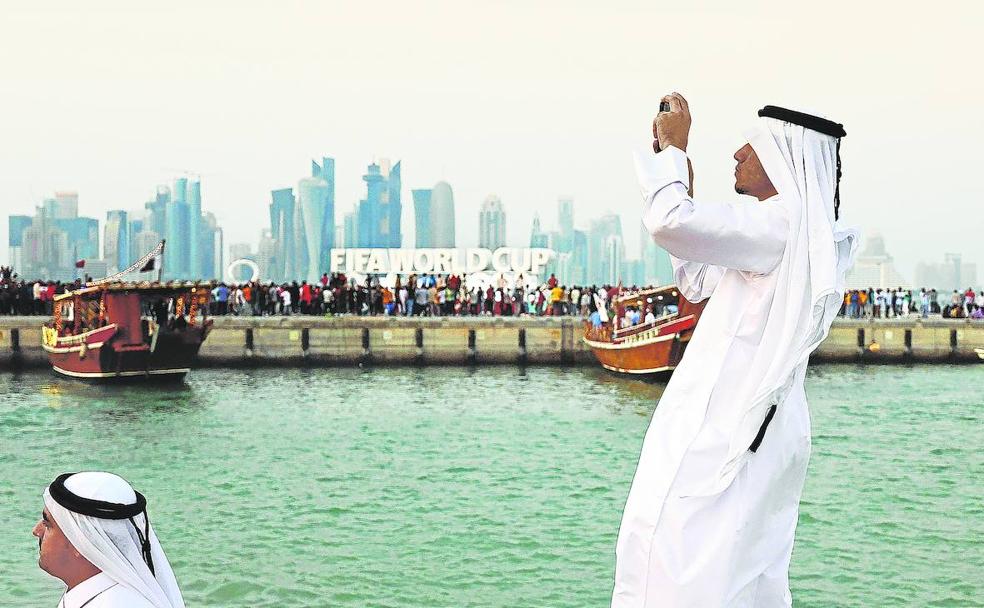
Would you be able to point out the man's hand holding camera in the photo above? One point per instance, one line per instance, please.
(672, 127)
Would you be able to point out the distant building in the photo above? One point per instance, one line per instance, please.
(193, 195)
(65, 205)
(212, 248)
(315, 198)
(350, 229)
(134, 226)
(282, 233)
(656, 267)
(265, 252)
(422, 218)
(16, 224)
(952, 273)
(175, 214)
(442, 215)
(143, 242)
(83, 236)
(538, 238)
(302, 227)
(579, 259)
(379, 213)
(492, 223)
(177, 220)
(875, 268)
(565, 232)
(48, 244)
(156, 208)
(602, 267)
(116, 241)
(634, 273)
(614, 260)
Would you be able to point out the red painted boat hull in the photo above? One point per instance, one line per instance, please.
(172, 357)
(653, 350)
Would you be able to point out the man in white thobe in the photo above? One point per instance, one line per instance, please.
(712, 510)
(95, 535)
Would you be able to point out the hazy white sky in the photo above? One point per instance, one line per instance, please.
(529, 100)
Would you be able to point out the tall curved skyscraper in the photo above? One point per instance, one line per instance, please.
(313, 194)
(442, 215)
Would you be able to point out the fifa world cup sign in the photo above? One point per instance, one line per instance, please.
(511, 260)
(504, 260)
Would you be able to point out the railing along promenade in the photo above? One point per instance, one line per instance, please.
(352, 340)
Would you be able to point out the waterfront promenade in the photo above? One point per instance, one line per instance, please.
(353, 340)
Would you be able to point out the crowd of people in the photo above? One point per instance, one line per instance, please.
(890, 303)
(416, 295)
(436, 295)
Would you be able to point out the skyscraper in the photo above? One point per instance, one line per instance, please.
(176, 221)
(156, 209)
(135, 225)
(442, 215)
(492, 223)
(379, 213)
(656, 266)
(16, 224)
(66, 205)
(265, 251)
(282, 232)
(47, 245)
(194, 195)
(212, 247)
(614, 259)
(325, 200)
(82, 236)
(350, 229)
(601, 266)
(302, 227)
(565, 215)
(422, 217)
(579, 259)
(116, 241)
(538, 238)
(313, 195)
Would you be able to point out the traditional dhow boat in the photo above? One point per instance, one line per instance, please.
(645, 348)
(113, 329)
(121, 330)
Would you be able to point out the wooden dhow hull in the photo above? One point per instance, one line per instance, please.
(657, 350)
(99, 355)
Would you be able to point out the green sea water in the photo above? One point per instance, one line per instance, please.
(485, 487)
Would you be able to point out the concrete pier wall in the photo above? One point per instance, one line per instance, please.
(238, 341)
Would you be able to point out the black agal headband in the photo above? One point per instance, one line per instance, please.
(813, 123)
(809, 121)
(105, 510)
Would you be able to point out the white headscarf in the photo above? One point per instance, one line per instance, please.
(112, 545)
(802, 165)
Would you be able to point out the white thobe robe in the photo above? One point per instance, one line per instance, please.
(101, 591)
(678, 545)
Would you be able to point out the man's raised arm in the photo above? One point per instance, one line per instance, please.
(743, 236)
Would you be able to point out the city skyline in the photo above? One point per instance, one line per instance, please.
(306, 227)
(295, 81)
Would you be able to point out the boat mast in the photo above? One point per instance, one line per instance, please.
(160, 267)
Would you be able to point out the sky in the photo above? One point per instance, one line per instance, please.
(529, 100)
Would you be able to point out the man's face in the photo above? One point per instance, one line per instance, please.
(57, 555)
(750, 176)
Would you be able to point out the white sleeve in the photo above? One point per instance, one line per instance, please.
(743, 236)
(695, 281)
